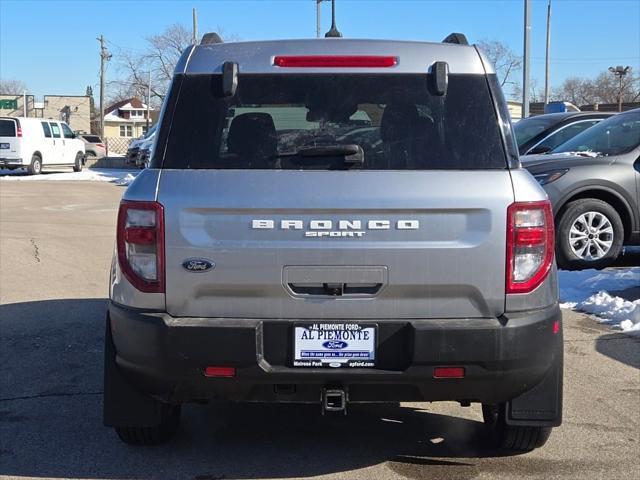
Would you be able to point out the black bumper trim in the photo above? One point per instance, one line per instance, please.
(503, 357)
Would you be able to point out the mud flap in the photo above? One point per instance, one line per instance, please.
(123, 405)
(542, 405)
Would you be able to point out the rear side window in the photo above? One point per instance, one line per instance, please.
(92, 139)
(47, 130)
(395, 119)
(7, 128)
(68, 133)
(55, 129)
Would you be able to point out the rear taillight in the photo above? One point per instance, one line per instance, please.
(335, 61)
(18, 131)
(530, 245)
(101, 145)
(140, 241)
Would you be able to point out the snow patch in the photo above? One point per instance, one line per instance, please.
(119, 177)
(588, 291)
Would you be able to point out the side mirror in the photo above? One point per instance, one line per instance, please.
(539, 149)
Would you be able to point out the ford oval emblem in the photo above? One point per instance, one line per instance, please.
(335, 344)
(197, 265)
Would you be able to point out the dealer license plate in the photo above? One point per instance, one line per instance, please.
(334, 345)
(4, 146)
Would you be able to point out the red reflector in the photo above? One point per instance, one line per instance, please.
(530, 236)
(448, 372)
(336, 61)
(220, 372)
(140, 235)
(556, 326)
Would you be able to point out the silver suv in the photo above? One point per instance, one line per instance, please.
(334, 221)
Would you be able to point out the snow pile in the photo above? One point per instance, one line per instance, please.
(589, 291)
(126, 180)
(119, 177)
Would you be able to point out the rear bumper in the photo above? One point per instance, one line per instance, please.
(503, 358)
(11, 162)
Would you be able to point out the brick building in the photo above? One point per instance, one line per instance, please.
(73, 109)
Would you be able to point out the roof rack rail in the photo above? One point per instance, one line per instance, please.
(457, 38)
(210, 38)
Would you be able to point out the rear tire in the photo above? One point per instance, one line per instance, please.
(510, 437)
(77, 167)
(572, 252)
(136, 435)
(36, 165)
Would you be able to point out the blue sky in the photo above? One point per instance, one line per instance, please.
(51, 45)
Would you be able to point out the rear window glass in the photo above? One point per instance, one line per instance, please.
(92, 139)
(7, 128)
(273, 121)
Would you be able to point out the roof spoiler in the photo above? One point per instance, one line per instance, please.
(210, 39)
(457, 38)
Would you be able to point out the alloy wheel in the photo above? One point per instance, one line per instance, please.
(591, 236)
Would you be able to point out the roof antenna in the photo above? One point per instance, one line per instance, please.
(333, 33)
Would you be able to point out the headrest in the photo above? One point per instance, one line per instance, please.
(253, 134)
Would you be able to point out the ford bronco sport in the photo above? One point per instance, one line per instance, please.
(334, 221)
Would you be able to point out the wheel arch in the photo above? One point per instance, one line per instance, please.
(613, 198)
(37, 153)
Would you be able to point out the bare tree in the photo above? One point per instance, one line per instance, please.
(12, 87)
(160, 57)
(602, 89)
(504, 60)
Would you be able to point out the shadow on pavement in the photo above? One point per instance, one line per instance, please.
(51, 424)
(630, 257)
(620, 347)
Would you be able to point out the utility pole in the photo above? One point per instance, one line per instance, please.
(148, 98)
(547, 84)
(318, 10)
(24, 102)
(527, 54)
(195, 26)
(105, 56)
(620, 72)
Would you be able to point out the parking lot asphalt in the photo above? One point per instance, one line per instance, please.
(56, 240)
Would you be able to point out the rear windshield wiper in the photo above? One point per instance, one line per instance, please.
(353, 154)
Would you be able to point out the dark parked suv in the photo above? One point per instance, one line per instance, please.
(334, 221)
(543, 133)
(593, 181)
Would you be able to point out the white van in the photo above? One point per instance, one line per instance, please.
(37, 143)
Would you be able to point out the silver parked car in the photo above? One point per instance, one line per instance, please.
(275, 251)
(93, 145)
(593, 181)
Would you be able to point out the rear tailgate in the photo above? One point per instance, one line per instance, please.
(435, 247)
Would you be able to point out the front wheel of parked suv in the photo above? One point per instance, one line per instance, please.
(589, 235)
(509, 437)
